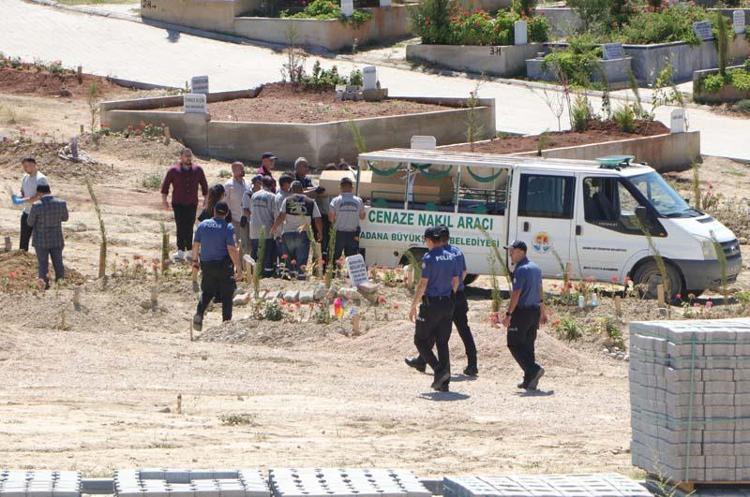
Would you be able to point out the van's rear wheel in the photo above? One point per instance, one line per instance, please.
(470, 278)
(417, 254)
(648, 277)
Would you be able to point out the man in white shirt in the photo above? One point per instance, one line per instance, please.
(29, 195)
(234, 191)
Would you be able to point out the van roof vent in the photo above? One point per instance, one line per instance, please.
(615, 161)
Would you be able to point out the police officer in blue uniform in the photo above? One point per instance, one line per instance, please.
(525, 313)
(432, 308)
(460, 312)
(215, 253)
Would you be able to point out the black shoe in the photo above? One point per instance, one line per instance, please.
(523, 385)
(471, 371)
(197, 322)
(440, 380)
(534, 382)
(444, 387)
(416, 363)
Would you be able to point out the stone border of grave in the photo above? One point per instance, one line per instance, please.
(502, 61)
(666, 152)
(388, 23)
(319, 142)
(646, 61)
(727, 94)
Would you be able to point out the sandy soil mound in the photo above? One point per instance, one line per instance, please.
(18, 273)
(46, 155)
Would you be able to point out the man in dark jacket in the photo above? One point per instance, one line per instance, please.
(46, 218)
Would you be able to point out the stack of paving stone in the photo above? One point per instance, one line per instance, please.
(190, 483)
(40, 484)
(586, 485)
(690, 399)
(346, 483)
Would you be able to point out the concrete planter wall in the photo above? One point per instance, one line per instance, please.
(320, 143)
(615, 71)
(488, 5)
(501, 61)
(728, 94)
(203, 14)
(667, 152)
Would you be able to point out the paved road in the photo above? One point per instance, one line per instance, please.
(136, 51)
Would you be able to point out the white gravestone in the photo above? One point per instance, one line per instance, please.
(612, 51)
(385, 3)
(355, 265)
(369, 78)
(199, 84)
(677, 122)
(194, 103)
(423, 142)
(702, 30)
(738, 21)
(520, 33)
(347, 7)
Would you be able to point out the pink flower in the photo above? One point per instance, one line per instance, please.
(614, 279)
(285, 257)
(679, 296)
(709, 304)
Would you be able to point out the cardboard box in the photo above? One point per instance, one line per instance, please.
(393, 187)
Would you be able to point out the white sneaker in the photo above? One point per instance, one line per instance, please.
(179, 255)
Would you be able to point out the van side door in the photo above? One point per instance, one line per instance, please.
(543, 205)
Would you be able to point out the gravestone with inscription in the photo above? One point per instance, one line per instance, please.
(677, 121)
(612, 51)
(357, 269)
(199, 84)
(702, 30)
(369, 78)
(738, 21)
(194, 103)
(347, 7)
(520, 33)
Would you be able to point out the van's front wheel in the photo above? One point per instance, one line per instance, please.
(648, 277)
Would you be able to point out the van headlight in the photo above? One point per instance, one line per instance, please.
(709, 251)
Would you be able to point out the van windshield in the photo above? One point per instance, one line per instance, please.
(665, 200)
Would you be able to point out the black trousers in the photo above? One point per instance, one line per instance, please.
(26, 232)
(461, 320)
(521, 337)
(217, 280)
(324, 236)
(184, 219)
(433, 328)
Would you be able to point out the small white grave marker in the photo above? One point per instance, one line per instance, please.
(385, 3)
(369, 78)
(677, 122)
(612, 51)
(194, 103)
(520, 33)
(347, 7)
(423, 142)
(199, 84)
(355, 265)
(702, 30)
(738, 21)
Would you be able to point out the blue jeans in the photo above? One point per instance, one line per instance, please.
(43, 255)
(297, 250)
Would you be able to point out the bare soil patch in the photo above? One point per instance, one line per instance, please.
(598, 132)
(30, 80)
(18, 273)
(282, 103)
(47, 155)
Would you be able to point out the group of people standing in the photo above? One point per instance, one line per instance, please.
(274, 221)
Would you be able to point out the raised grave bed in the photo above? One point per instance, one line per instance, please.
(503, 61)
(651, 143)
(728, 93)
(292, 123)
(228, 16)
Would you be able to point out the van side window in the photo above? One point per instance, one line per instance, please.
(546, 196)
(608, 203)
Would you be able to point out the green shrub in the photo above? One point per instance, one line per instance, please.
(538, 27)
(568, 329)
(431, 20)
(577, 63)
(713, 83)
(595, 14)
(674, 23)
(625, 118)
(581, 113)
(743, 106)
(327, 9)
(151, 182)
(524, 7)
(322, 79)
(273, 311)
(747, 64)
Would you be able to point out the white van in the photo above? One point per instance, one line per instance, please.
(586, 215)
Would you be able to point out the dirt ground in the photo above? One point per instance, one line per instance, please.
(282, 103)
(598, 132)
(95, 388)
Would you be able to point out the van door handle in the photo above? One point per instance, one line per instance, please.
(526, 226)
(578, 229)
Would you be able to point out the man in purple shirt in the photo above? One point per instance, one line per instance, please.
(185, 179)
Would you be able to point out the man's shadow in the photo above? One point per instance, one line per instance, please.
(444, 396)
(535, 393)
